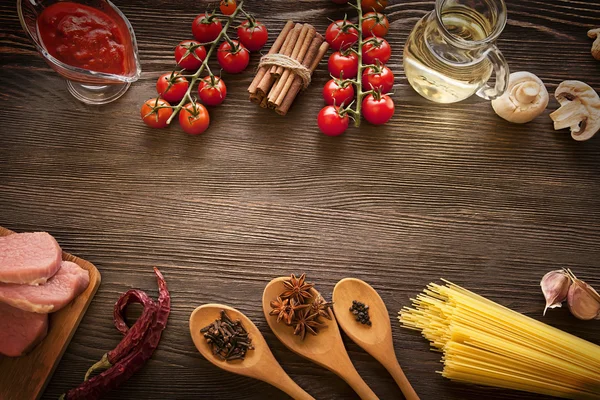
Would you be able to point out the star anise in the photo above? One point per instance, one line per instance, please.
(306, 322)
(321, 307)
(281, 308)
(286, 309)
(297, 289)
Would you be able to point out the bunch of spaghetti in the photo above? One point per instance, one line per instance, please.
(488, 344)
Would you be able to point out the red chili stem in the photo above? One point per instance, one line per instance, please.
(115, 376)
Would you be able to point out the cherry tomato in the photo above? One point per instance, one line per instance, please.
(377, 109)
(373, 5)
(330, 122)
(233, 57)
(206, 27)
(172, 87)
(212, 90)
(343, 64)
(227, 7)
(189, 54)
(154, 115)
(341, 35)
(336, 93)
(253, 34)
(376, 49)
(375, 24)
(194, 118)
(379, 78)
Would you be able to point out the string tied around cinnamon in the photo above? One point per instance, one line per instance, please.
(281, 60)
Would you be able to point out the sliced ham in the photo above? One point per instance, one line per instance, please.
(20, 330)
(29, 258)
(57, 292)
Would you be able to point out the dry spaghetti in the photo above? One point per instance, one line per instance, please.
(488, 344)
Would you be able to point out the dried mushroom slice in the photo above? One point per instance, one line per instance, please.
(595, 34)
(579, 109)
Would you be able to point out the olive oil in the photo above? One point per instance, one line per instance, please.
(436, 68)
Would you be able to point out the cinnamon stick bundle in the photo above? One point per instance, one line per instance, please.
(274, 49)
(312, 59)
(269, 78)
(276, 86)
(306, 36)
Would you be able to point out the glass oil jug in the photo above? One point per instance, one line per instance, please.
(451, 53)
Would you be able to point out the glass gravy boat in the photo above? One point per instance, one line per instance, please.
(451, 53)
(88, 86)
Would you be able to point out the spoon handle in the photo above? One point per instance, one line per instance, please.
(396, 371)
(351, 376)
(284, 383)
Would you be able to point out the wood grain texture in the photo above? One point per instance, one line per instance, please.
(447, 191)
(26, 377)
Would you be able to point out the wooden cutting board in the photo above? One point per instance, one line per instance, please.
(24, 378)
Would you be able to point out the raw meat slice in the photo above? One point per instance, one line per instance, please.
(28, 258)
(57, 292)
(20, 330)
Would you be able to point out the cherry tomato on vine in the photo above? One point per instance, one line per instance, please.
(338, 93)
(154, 114)
(212, 90)
(375, 24)
(189, 55)
(194, 118)
(377, 109)
(341, 35)
(227, 7)
(206, 27)
(253, 34)
(233, 57)
(331, 121)
(373, 5)
(378, 77)
(342, 65)
(172, 87)
(376, 49)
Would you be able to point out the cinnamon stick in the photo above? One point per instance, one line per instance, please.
(306, 36)
(274, 49)
(263, 102)
(291, 77)
(297, 84)
(269, 78)
(294, 48)
(256, 98)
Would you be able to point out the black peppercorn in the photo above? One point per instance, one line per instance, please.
(361, 312)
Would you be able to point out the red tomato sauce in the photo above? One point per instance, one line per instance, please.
(85, 37)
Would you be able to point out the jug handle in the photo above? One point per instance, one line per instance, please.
(502, 73)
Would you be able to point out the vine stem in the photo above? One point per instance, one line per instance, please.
(204, 64)
(358, 82)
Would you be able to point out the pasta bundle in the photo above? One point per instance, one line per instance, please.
(488, 344)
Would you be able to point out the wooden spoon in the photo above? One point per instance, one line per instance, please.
(259, 363)
(325, 349)
(375, 339)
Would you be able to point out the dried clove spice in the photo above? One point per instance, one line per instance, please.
(296, 306)
(361, 312)
(228, 339)
(555, 286)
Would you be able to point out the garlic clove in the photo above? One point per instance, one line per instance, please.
(555, 286)
(583, 300)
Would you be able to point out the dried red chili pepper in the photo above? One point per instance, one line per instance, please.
(134, 335)
(132, 362)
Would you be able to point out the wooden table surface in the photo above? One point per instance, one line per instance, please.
(448, 191)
